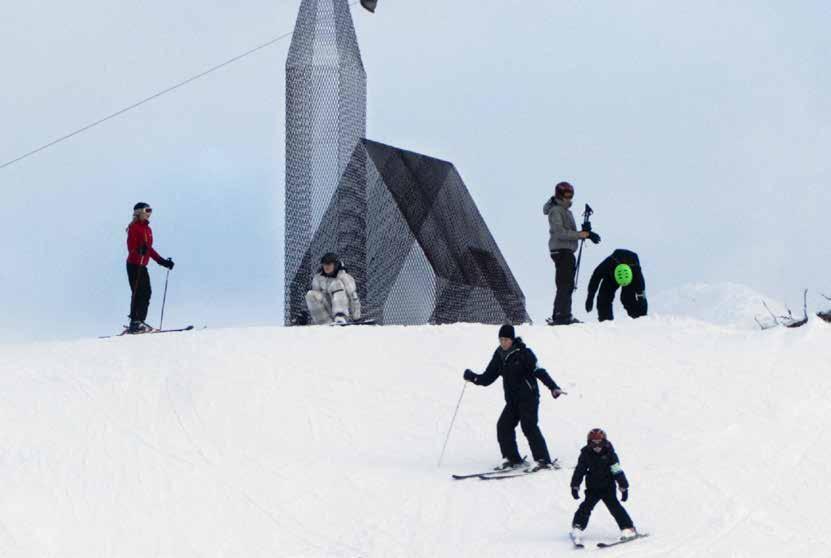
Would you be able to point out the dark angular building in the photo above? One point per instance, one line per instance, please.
(404, 224)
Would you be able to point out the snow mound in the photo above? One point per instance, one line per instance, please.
(321, 442)
(724, 304)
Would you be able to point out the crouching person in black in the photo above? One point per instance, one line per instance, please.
(517, 365)
(599, 464)
(621, 269)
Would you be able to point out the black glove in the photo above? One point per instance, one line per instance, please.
(586, 227)
(575, 492)
(469, 376)
(168, 263)
(556, 392)
(594, 237)
(624, 494)
(589, 304)
(143, 250)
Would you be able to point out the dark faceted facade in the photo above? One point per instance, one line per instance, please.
(409, 232)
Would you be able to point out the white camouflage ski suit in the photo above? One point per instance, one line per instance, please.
(331, 296)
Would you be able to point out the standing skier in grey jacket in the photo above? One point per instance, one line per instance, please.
(562, 244)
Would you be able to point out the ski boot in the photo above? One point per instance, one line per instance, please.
(509, 465)
(137, 326)
(576, 535)
(627, 534)
(542, 464)
(341, 319)
(562, 320)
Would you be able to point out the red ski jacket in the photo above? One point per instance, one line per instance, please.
(140, 244)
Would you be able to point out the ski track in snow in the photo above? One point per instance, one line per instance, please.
(320, 443)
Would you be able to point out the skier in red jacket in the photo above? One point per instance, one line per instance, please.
(140, 250)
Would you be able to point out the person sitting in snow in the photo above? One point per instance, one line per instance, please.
(621, 269)
(334, 294)
(599, 465)
(517, 365)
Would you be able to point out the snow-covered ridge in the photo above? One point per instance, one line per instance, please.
(320, 442)
(725, 304)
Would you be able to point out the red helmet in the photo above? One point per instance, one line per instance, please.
(596, 436)
(563, 188)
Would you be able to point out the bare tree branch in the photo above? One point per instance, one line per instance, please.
(792, 322)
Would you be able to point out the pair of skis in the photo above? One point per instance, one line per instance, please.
(578, 544)
(508, 474)
(127, 333)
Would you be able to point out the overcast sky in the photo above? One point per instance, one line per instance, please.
(699, 133)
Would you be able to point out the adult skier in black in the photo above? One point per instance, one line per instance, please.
(621, 269)
(562, 244)
(600, 466)
(517, 365)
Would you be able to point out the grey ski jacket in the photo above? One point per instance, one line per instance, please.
(562, 228)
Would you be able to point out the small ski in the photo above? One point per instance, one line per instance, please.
(577, 544)
(623, 541)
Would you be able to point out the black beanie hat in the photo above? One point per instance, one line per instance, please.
(140, 205)
(329, 257)
(507, 331)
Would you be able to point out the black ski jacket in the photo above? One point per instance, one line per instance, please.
(601, 470)
(519, 371)
(633, 295)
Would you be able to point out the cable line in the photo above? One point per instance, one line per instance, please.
(146, 100)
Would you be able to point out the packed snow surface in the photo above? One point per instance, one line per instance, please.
(322, 442)
(726, 304)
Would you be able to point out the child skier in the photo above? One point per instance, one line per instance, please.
(599, 464)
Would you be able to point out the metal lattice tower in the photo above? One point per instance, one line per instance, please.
(325, 118)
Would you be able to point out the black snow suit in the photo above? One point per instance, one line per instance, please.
(633, 296)
(519, 371)
(601, 471)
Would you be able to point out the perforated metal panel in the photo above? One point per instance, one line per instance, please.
(403, 223)
(409, 232)
(325, 117)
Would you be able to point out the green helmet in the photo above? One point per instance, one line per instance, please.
(623, 275)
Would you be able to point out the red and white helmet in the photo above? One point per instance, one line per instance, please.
(596, 437)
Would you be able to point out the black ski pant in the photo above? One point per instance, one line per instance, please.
(609, 497)
(606, 299)
(564, 263)
(140, 288)
(525, 413)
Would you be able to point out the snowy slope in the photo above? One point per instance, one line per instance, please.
(726, 304)
(316, 442)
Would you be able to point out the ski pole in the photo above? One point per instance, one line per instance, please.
(452, 422)
(577, 268)
(164, 298)
(587, 214)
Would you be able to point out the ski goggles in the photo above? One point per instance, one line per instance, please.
(147, 210)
